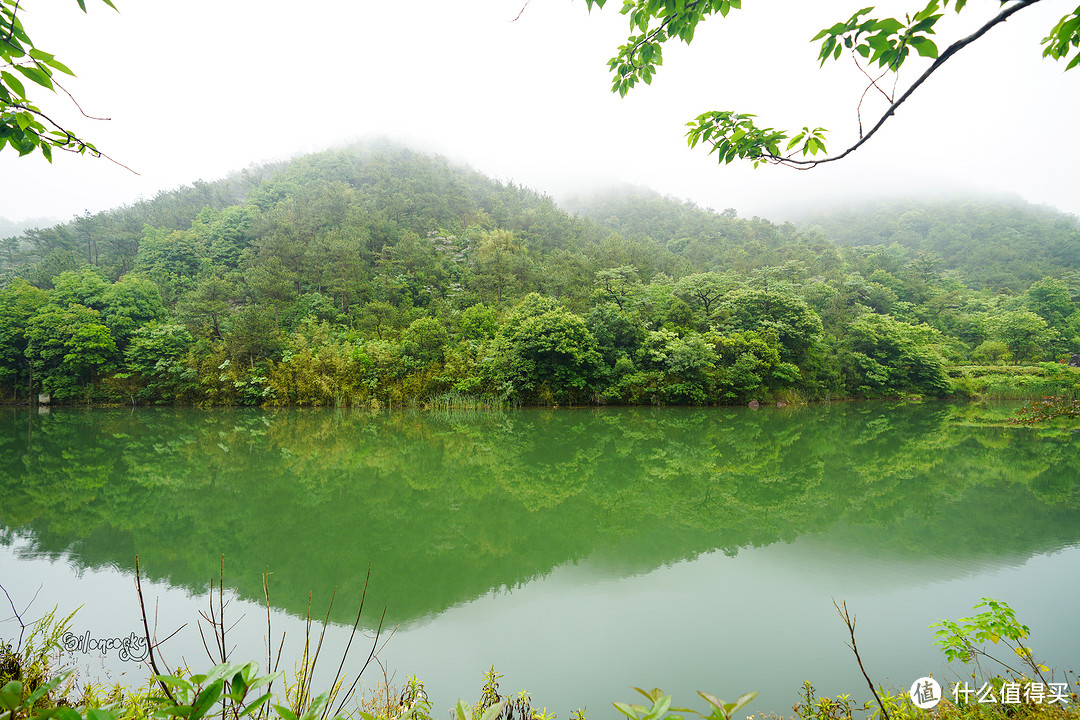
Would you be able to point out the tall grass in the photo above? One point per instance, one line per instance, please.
(1017, 382)
(465, 401)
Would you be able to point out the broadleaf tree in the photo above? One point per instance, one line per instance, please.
(878, 46)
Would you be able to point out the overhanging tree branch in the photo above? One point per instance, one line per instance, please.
(948, 53)
(887, 42)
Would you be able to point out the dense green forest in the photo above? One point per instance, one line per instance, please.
(379, 276)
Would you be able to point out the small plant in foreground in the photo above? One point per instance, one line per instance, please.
(963, 638)
(824, 708)
(661, 705)
(230, 684)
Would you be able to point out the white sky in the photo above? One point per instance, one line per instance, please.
(199, 88)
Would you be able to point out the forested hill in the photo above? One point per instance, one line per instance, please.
(379, 275)
(995, 245)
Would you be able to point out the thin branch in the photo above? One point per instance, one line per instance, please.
(873, 84)
(11, 28)
(146, 629)
(221, 603)
(318, 646)
(521, 11)
(18, 615)
(849, 620)
(83, 145)
(873, 80)
(266, 594)
(76, 102)
(949, 52)
(374, 646)
(341, 665)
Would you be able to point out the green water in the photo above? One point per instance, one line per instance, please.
(580, 551)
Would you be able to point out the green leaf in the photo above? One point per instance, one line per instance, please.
(10, 694)
(888, 25)
(36, 75)
(93, 713)
(205, 700)
(174, 681)
(14, 83)
(56, 64)
(256, 704)
(493, 711)
(743, 700)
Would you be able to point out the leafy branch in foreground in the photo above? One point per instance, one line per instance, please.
(963, 638)
(23, 125)
(885, 42)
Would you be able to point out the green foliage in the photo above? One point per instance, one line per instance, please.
(1025, 333)
(886, 42)
(478, 322)
(68, 347)
(19, 302)
(1047, 409)
(964, 639)
(230, 689)
(813, 707)
(1064, 40)
(795, 324)
(23, 126)
(544, 353)
(376, 278)
(735, 135)
(661, 706)
(1018, 382)
(889, 356)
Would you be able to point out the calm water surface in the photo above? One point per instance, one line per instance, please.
(580, 552)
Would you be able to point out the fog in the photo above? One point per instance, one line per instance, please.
(199, 89)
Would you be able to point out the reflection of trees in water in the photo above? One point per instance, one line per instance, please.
(448, 506)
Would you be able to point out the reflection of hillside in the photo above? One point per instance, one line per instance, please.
(447, 507)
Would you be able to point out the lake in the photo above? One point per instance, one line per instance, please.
(578, 551)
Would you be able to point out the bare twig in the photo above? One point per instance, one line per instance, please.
(266, 594)
(146, 629)
(521, 11)
(76, 102)
(374, 647)
(18, 615)
(318, 647)
(83, 146)
(849, 620)
(873, 84)
(341, 665)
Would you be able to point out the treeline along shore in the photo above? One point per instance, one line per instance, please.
(376, 276)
